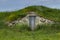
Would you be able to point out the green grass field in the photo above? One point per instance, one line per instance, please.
(22, 32)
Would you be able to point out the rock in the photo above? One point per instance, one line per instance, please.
(39, 20)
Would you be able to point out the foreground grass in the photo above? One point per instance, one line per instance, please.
(22, 33)
(38, 35)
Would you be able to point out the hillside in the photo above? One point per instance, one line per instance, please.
(42, 11)
(23, 32)
(45, 12)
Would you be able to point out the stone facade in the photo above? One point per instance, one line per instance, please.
(39, 21)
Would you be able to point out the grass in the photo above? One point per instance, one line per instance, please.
(45, 12)
(21, 32)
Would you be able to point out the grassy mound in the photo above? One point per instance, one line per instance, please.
(22, 32)
(48, 13)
